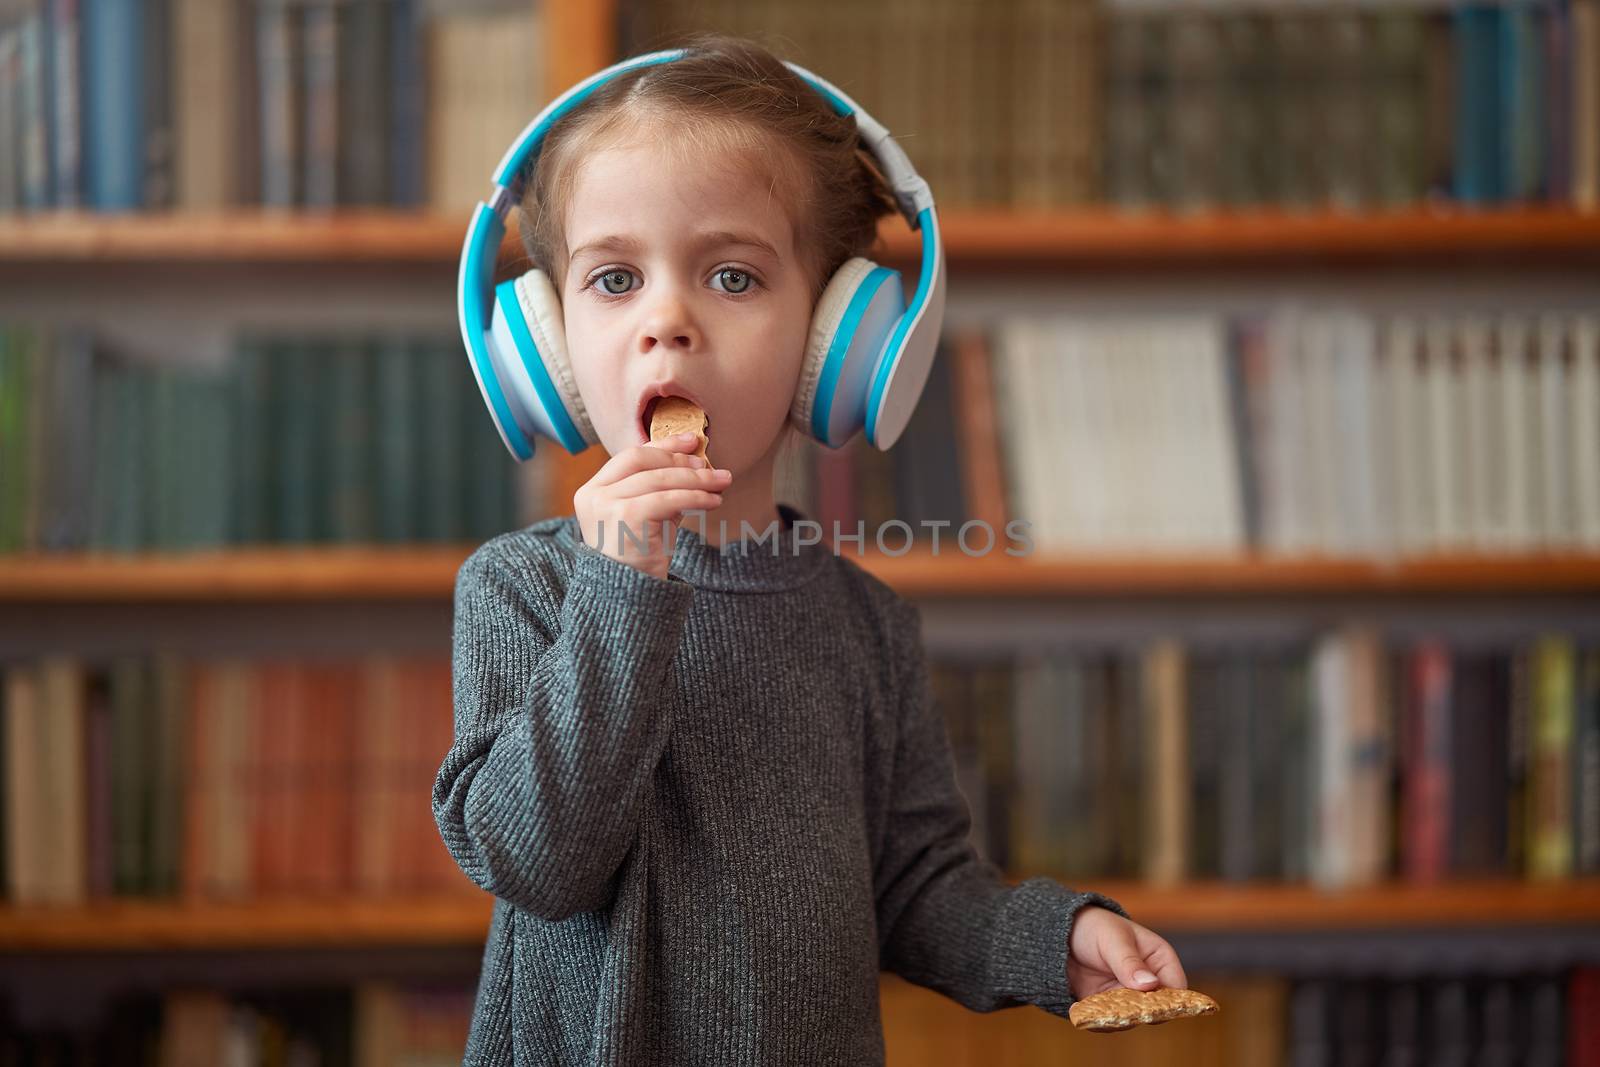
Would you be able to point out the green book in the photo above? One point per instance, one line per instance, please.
(131, 737)
(252, 478)
(209, 498)
(167, 428)
(133, 465)
(440, 427)
(1296, 66)
(294, 447)
(11, 429)
(1395, 72)
(395, 444)
(1246, 94)
(167, 773)
(349, 453)
(1196, 119)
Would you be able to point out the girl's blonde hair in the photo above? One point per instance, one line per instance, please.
(728, 98)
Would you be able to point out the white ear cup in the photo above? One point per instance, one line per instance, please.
(851, 322)
(825, 319)
(541, 309)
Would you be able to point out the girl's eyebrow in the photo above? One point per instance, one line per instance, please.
(715, 238)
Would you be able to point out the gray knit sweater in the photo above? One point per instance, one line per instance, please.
(711, 808)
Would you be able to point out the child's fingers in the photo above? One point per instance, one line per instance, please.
(671, 504)
(1161, 958)
(668, 452)
(1121, 951)
(665, 478)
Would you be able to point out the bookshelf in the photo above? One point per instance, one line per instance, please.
(460, 920)
(359, 572)
(39, 250)
(974, 239)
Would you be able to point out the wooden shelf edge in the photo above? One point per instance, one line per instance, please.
(153, 925)
(1223, 907)
(429, 572)
(972, 236)
(1258, 235)
(462, 919)
(274, 573)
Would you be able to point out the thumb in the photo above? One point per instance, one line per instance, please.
(1126, 962)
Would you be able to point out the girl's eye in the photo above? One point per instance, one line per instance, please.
(741, 280)
(615, 281)
(605, 280)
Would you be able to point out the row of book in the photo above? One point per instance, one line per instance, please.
(223, 778)
(117, 105)
(373, 1023)
(1352, 105)
(1531, 1019)
(295, 438)
(1536, 1019)
(1168, 104)
(128, 104)
(1294, 431)
(1346, 762)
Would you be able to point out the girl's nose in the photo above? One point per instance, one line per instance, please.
(669, 322)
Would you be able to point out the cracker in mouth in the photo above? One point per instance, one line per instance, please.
(669, 415)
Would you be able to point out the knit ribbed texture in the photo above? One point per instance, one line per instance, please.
(711, 808)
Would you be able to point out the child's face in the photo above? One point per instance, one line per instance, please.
(726, 320)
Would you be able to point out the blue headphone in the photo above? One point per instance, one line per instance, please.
(867, 355)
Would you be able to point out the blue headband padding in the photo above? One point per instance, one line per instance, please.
(833, 366)
(517, 158)
(514, 160)
(476, 277)
(505, 294)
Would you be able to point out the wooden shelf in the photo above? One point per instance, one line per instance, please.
(136, 925)
(1107, 237)
(1218, 906)
(423, 572)
(973, 238)
(244, 236)
(156, 926)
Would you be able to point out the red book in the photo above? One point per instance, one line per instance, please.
(97, 771)
(197, 864)
(1583, 1013)
(1426, 783)
(436, 732)
(277, 836)
(983, 471)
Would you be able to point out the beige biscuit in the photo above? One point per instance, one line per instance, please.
(1123, 1009)
(674, 415)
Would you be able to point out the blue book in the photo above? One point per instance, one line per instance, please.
(406, 112)
(1478, 111)
(1523, 116)
(34, 98)
(66, 96)
(114, 103)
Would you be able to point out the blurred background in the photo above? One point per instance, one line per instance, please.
(1276, 321)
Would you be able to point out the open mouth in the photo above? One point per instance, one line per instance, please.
(649, 412)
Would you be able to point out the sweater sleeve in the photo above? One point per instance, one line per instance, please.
(558, 723)
(947, 918)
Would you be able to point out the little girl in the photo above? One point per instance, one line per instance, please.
(708, 787)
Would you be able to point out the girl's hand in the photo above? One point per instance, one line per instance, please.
(646, 488)
(1107, 950)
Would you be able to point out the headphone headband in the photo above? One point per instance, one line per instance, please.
(888, 406)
